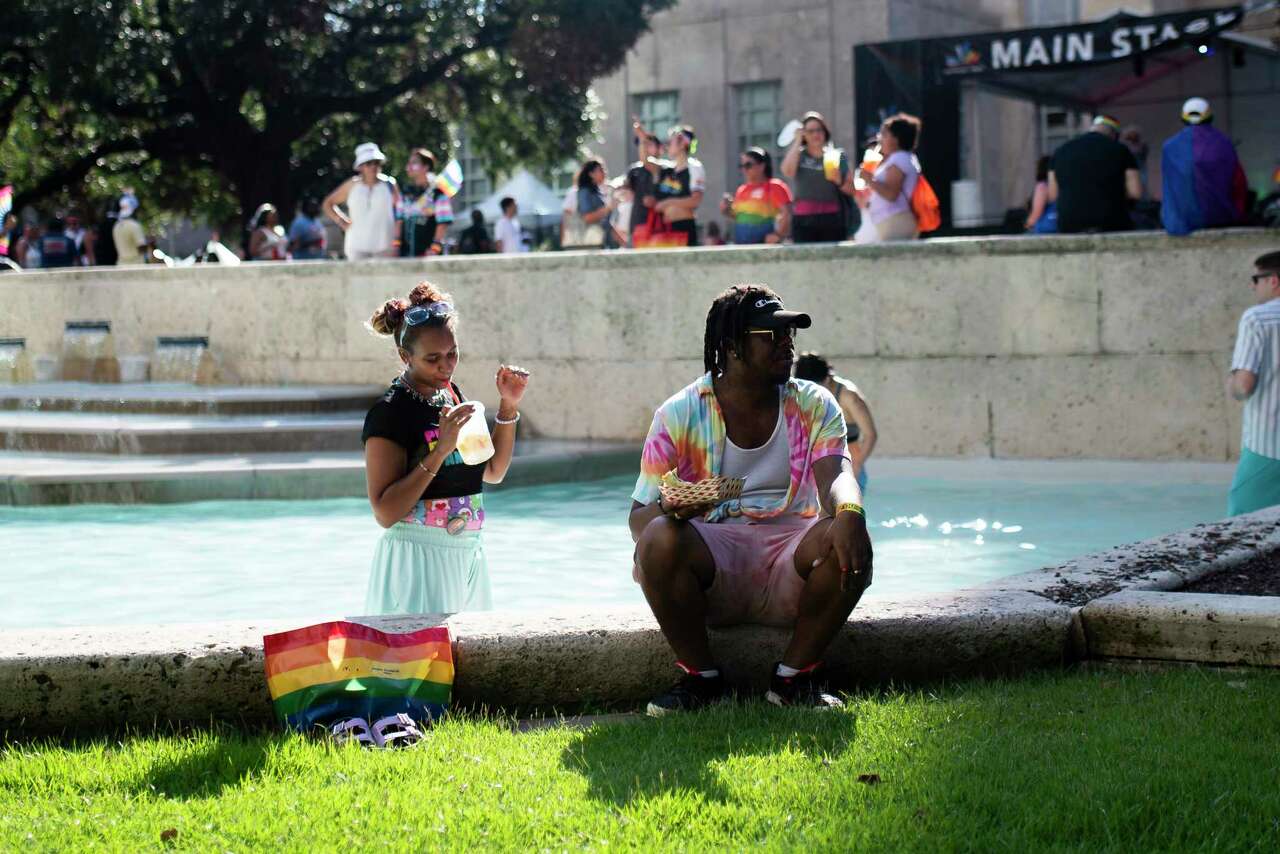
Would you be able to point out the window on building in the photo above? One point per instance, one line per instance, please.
(562, 178)
(1049, 13)
(658, 111)
(476, 184)
(759, 114)
(1057, 125)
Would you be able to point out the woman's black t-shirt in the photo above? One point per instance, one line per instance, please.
(412, 422)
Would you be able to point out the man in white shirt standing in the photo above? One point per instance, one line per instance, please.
(1255, 379)
(507, 233)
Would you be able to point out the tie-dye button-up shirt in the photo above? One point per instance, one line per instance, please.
(688, 435)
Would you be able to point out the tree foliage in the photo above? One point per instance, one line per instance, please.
(218, 105)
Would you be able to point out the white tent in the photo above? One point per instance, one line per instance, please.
(536, 202)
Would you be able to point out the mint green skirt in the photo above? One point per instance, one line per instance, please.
(1255, 485)
(421, 570)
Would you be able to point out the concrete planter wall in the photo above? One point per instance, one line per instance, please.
(1035, 347)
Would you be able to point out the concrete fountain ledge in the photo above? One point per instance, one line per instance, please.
(92, 680)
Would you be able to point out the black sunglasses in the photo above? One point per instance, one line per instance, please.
(779, 335)
(748, 164)
(1258, 277)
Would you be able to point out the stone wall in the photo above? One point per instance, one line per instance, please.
(1086, 346)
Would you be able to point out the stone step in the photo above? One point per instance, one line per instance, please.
(89, 433)
(1209, 628)
(186, 399)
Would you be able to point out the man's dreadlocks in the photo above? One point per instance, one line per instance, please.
(727, 324)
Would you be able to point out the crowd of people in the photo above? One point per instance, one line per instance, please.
(1097, 182)
(659, 200)
(1094, 182)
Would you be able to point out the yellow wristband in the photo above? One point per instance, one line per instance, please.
(851, 507)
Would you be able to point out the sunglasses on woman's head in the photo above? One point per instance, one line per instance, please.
(420, 314)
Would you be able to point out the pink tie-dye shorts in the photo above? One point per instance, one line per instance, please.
(756, 579)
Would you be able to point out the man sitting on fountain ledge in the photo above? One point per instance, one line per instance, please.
(793, 550)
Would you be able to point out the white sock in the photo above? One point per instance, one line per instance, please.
(784, 670)
(708, 674)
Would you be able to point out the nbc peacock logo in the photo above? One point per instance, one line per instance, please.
(963, 55)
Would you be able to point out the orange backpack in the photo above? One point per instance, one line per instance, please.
(925, 206)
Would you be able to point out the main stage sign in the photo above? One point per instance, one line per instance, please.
(1118, 37)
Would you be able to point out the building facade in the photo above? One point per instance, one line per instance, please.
(738, 70)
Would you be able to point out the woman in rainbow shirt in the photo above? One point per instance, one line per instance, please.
(761, 209)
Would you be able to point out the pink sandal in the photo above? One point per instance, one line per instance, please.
(352, 730)
(396, 731)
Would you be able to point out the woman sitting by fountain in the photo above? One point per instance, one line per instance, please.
(428, 454)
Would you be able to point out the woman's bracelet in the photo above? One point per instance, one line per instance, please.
(497, 419)
(427, 470)
(851, 507)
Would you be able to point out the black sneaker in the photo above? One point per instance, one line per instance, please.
(805, 690)
(692, 691)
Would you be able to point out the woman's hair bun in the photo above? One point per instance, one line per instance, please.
(425, 293)
(387, 319)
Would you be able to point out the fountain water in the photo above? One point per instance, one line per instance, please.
(15, 365)
(88, 352)
(182, 359)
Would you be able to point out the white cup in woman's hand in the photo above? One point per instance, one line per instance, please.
(451, 420)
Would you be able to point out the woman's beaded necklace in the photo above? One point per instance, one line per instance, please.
(441, 397)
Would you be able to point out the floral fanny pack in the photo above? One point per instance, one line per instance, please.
(454, 515)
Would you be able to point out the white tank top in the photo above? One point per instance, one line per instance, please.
(372, 216)
(766, 468)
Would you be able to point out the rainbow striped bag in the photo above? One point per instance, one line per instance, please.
(333, 671)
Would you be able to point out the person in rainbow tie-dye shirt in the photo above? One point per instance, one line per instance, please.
(793, 549)
(761, 209)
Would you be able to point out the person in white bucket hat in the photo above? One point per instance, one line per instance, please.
(370, 198)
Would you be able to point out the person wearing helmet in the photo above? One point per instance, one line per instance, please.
(1203, 182)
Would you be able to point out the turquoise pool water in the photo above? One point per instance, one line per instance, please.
(563, 545)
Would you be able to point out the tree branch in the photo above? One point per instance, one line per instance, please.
(9, 106)
(74, 171)
(322, 106)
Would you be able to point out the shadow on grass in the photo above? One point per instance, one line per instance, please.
(206, 767)
(624, 762)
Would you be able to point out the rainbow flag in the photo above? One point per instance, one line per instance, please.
(325, 673)
(450, 180)
(6, 205)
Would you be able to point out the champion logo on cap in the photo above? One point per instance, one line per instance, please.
(761, 303)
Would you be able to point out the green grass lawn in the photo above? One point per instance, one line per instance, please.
(1113, 761)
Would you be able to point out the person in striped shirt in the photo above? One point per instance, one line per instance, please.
(1255, 379)
(792, 550)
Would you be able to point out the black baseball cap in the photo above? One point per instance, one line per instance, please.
(768, 313)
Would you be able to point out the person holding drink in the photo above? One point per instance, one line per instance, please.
(893, 179)
(761, 208)
(428, 454)
(823, 183)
